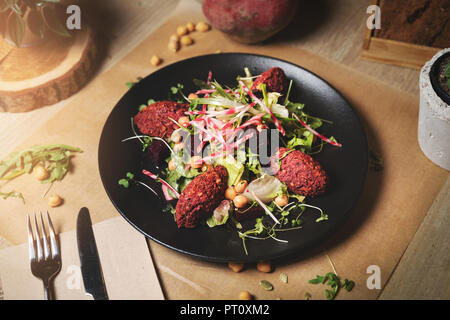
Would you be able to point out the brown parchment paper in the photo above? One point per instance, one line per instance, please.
(392, 205)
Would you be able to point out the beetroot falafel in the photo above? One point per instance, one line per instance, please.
(154, 120)
(301, 173)
(201, 196)
(274, 79)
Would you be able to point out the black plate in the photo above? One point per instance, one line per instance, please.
(346, 166)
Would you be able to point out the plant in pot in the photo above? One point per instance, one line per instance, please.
(440, 77)
(434, 112)
(25, 23)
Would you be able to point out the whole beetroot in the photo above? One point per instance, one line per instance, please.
(250, 21)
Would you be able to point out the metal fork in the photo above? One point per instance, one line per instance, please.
(45, 259)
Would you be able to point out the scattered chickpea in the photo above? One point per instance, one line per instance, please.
(155, 60)
(240, 201)
(264, 266)
(178, 147)
(176, 137)
(245, 295)
(190, 26)
(182, 30)
(202, 26)
(236, 267)
(174, 46)
(186, 41)
(241, 186)
(184, 120)
(230, 193)
(174, 38)
(171, 165)
(40, 173)
(282, 200)
(54, 200)
(196, 162)
(192, 96)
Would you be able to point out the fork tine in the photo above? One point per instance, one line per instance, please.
(31, 250)
(44, 239)
(53, 242)
(40, 257)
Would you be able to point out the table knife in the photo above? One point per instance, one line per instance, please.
(90, 263)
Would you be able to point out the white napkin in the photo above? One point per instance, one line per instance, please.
(126, 262)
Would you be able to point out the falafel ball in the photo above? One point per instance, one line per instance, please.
(301, 173)
(154, 120)
(201, 196)
(274, 79)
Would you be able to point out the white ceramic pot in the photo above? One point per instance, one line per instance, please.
(434, 118)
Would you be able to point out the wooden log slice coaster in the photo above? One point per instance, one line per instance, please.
(45, 74)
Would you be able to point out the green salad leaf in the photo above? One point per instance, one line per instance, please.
(213, 222)
(234, 168)
(12, 194)
(334, 281)
(55, 158)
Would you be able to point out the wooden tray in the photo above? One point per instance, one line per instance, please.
(394, 52)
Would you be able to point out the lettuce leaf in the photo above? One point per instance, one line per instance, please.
(234, 168)
(222, 212)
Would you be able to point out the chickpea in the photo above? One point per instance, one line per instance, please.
(174, 46)
(236, 267)
(155, 60)
(54, 200)
(192, 96)
(240, 201)
(202, 26)
(282, 200)
(186, 41)
(176, 137)
(190, 26)
(178, 147)
(40, 173)
(264, 266)
(182, 30)
(196, 162)
(174, 38)
(204, 168)
(245, 295)
(230, 193)
(241, 186)
(171, 165)
(184, 120)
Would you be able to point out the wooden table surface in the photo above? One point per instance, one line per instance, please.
(333, 29)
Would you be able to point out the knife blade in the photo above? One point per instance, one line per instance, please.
(90, 262)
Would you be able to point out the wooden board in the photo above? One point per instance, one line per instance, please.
(45, 74)
(395, 52)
